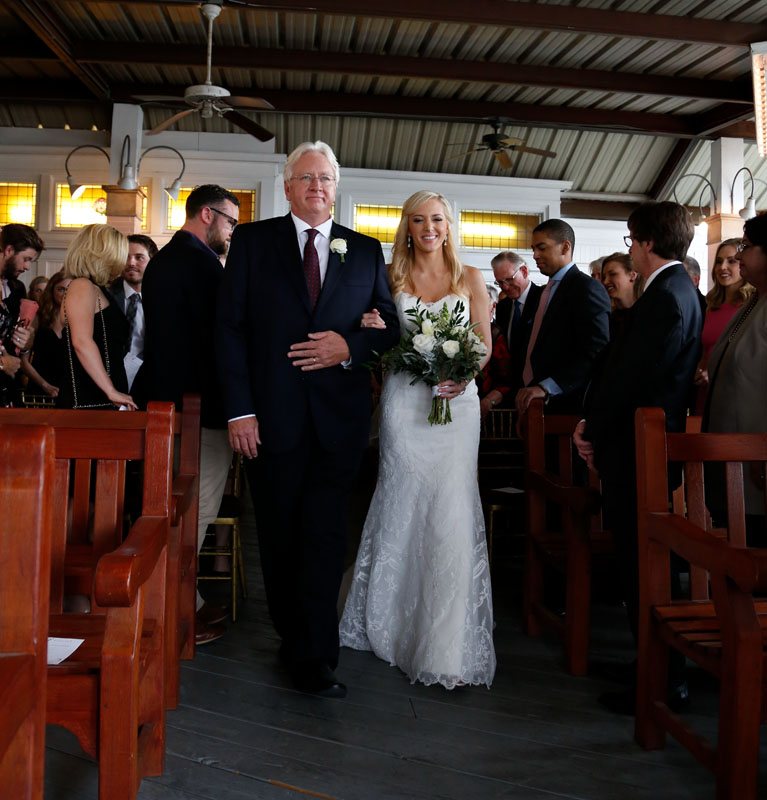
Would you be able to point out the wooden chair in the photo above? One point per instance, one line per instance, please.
(229, 515)
(85, 548)
(500, 467)
(30, 400)
(569, 549)
(26, 483)
(721, 626)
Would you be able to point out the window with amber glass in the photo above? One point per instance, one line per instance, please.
(380, 222)
(177, 208)
(17, 203)
(89, 208)
(497, 230)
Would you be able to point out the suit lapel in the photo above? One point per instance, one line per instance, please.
(334, 271)
(291, 259)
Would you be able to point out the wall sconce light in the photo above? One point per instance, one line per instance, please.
(750, 208)
(128, 178)
(697, 218)
(758, 68)
(75, 189)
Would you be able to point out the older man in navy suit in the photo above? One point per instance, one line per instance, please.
(292, 357)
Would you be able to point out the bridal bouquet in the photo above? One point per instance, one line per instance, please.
(441, 346)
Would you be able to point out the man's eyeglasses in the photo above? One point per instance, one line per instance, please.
(308, 179)
(743, 246)
(231, 220)
(628, 241)
(508, 281)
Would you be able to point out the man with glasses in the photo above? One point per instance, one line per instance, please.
(292, 355)
(514, 314)
(179, 301)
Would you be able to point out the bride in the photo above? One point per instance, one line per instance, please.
(420, 597)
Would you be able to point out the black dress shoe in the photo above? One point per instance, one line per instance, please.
(625, 702)
(317, 679)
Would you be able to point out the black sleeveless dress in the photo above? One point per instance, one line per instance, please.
(88, 394)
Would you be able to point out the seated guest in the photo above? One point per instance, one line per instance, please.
(595, 268)
(95, 330)
(494, 381)
(624, 286)
(693, 270)
(126, 291)
(47, 365)
(737, 370)
(36, 288)
(727, 295)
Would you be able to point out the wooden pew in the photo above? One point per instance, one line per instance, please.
(26, 483)
(569, 549)
(721, 625)
(83, 552)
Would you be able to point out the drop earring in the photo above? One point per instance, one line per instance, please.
(444, 244)
(409, 241)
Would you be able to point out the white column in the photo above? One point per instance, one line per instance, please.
(726, 160)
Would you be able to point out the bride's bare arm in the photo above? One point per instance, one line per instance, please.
(480, 311)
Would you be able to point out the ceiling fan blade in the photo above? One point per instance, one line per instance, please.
(512, 140)
(467, 153)
(533, 151)
(168, 122)
(502, 157)
(158, 98)
(253, 128)
(250, 102)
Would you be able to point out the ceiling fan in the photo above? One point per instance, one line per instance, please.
(501, 146)
(208, 99)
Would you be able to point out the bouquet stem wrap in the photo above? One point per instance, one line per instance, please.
(440, 409)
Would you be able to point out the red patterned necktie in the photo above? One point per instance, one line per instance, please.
(312, 267)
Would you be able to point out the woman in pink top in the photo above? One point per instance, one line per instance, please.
(726, 296)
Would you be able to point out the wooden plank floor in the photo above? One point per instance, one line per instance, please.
(242, 733)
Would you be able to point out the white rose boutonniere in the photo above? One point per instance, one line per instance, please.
(338, 246)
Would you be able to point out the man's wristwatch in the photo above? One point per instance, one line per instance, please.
(546, 393)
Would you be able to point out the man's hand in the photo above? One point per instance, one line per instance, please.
(526, 396)
(584, 446)
(243, 436)
(324, 349)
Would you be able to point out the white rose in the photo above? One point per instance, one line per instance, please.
(457, 330)
(423, 343)
(479, 347)
(473, 338)
(338, 246)
(451, 348)
(427, 327)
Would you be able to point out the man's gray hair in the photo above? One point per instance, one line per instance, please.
(515, 259)
(692, 265)
(492, 292)
(312, 147)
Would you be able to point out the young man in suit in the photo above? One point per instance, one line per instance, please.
(651, 363)
(178, 296)
(515, 313)
(292, 357)
(141, 249)
(570, 327)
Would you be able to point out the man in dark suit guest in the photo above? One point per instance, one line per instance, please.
(292, 356)
(651, 363)
(692, 267)
(126, 291)
(178, 297)
(570, 327)
(515, 313)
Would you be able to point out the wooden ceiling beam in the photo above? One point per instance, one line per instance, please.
(405, 66)
(596, 209)
(671, 168)
(41, 19)
(510, 14)
(710, 123)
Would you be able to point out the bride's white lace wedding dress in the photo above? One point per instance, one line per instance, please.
(421, 598)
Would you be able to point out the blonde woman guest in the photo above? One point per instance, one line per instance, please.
(420, 597)
(95, 329)
(727, 295)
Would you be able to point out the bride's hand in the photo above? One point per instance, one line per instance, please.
(372, 319)
(450, 389)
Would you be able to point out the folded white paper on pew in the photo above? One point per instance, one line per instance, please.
(61, 649)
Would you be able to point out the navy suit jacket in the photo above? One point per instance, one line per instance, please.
(178, 294)
(651, 363)
(574, 331)
(264, 308)
(521, 337)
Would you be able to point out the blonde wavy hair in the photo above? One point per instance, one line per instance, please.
(403, 257)
(717, 293)
(98, 252)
